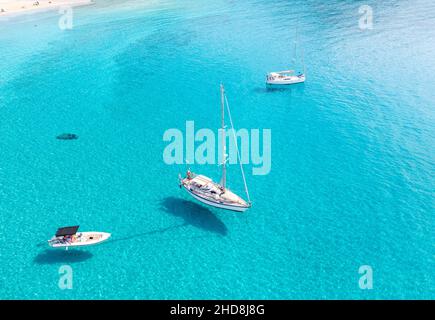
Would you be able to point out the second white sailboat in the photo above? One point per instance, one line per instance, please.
(287, 77)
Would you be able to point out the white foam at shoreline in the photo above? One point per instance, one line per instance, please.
(16, 8)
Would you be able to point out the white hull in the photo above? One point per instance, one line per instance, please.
(286, 81)
(216, 204)
(88, 239)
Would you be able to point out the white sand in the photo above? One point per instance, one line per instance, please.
(13, 8)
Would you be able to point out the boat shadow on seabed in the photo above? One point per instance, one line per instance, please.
(194, 215)
(292, 89)
(62, 256)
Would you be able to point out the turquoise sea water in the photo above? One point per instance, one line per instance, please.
(353, 150)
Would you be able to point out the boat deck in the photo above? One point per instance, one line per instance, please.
(205, 187)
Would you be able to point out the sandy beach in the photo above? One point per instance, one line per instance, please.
(14, 8)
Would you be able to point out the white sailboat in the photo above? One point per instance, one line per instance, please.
(287, 77)
(212, 193)
(67, 237)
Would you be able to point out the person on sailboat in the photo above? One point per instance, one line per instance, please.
(189, 174)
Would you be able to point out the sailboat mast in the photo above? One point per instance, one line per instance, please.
(302, 55)
(295, 53)
(224, 169)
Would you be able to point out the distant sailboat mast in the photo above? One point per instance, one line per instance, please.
(298, 42)
(294, 52)
(302, 54)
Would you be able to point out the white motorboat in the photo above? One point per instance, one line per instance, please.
(284, 78)
(212, 193)
(67, 237)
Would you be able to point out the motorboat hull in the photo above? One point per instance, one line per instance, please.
(99, 238)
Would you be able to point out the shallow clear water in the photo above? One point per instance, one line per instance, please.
(353, 157)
